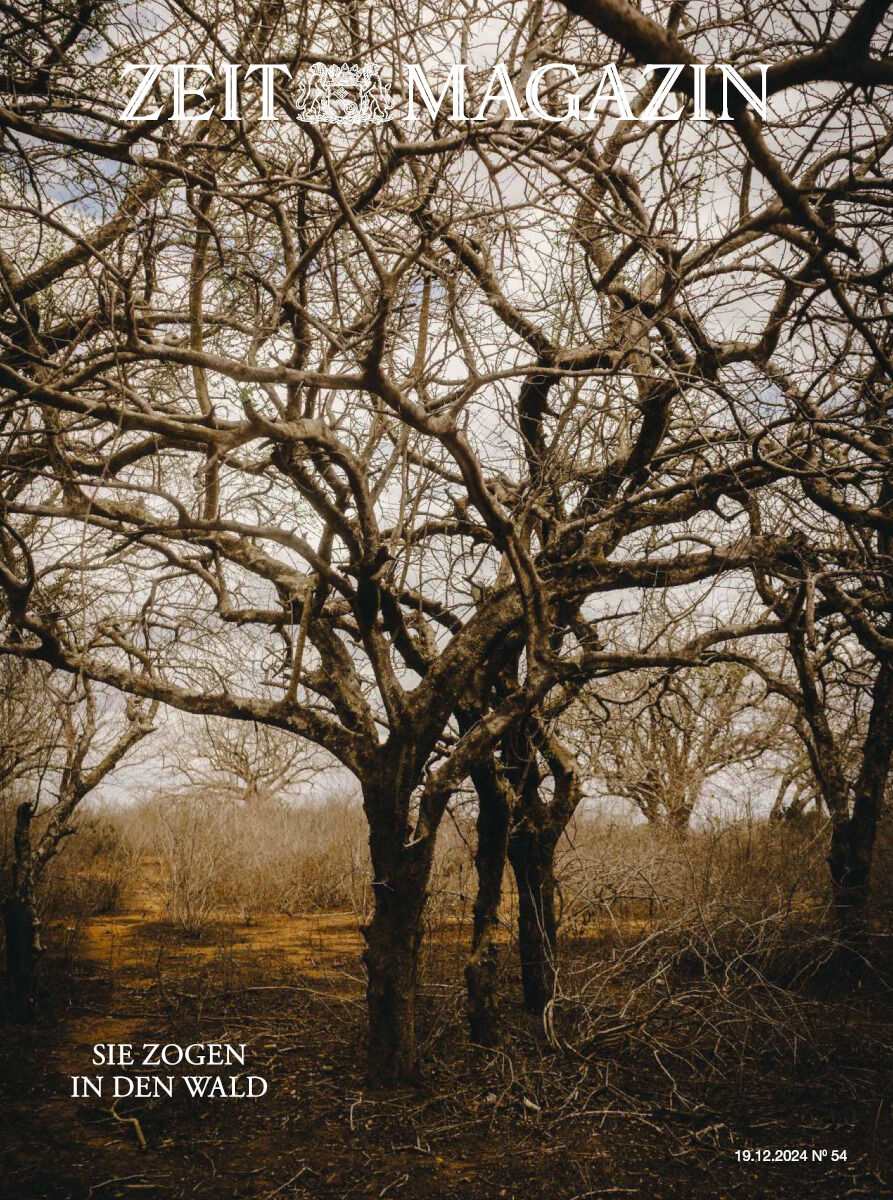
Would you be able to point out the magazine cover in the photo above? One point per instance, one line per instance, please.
(446, 599)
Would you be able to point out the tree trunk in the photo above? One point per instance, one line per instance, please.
(401, 863)
(852, 840)
(494, 814)
(391, 959)
(22, 925)
(677, 817)
(533, 842)
(532, 855)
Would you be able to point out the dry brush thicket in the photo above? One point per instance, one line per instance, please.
(438, 446)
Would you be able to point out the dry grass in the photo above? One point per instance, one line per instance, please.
(710, 956)
(698, 1010)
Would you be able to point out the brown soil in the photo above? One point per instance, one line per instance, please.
(525, 1124)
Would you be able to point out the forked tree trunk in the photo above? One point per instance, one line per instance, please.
(532, 855)
(481, 970)
(533, 842)
(22, 925)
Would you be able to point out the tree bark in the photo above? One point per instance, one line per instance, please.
(531, 851)
(481, 970)
(22, 925)
(678, 817)
(391, 959)
(401, 864)
(532, 855)
(533, 841)
(852, 840)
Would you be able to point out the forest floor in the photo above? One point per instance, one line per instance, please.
(530, 1123)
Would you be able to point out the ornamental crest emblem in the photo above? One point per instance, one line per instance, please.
(343, 96)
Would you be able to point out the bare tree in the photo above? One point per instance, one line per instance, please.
(842, 698)
(365, 435)
(657, 740)
(796, 787)
(252, 763)
(49, 729)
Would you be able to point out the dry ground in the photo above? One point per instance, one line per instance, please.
(526, 1124)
